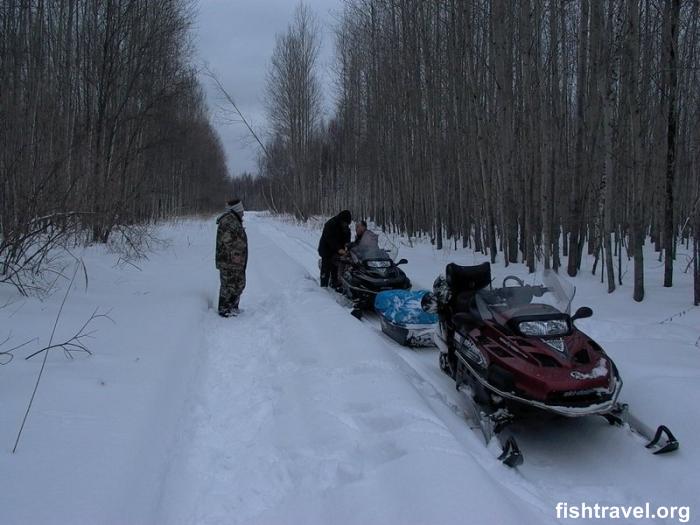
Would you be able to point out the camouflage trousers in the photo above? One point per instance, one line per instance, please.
(232, 285)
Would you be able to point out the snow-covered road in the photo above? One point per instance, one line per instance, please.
(583, 460)
(304, 415)
(295, 412)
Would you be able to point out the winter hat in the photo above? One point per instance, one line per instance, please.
(345, 216)
(236, 205)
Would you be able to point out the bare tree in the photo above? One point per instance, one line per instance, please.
(102, 125)
(294, 100)
(533, 131)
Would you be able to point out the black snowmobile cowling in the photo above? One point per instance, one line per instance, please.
(368, 271)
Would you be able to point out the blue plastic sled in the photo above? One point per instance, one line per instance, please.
(403, 319)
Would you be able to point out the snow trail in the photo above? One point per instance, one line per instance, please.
(569, 460)
(295, 412)
(304, 415)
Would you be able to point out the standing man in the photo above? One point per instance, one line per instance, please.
(231, 257)
(335, 236)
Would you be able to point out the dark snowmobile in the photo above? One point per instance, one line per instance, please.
(367, 271)
(519, 353)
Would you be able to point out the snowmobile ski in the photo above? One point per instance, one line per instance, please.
(511, 456)
(659, 441)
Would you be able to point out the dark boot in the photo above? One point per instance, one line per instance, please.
(326, 272)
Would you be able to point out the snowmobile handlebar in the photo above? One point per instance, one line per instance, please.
(521, 294)
(537, 290)
(512, 278)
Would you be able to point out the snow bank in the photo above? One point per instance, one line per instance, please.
(98, 439)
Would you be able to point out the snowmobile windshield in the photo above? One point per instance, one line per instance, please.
(544, 308)
(386, 244)
(372, 254)
(560, 292)
(377, 240)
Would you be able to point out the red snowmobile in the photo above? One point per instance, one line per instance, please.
(518, 352)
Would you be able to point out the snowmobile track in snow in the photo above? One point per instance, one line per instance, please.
(568, 454)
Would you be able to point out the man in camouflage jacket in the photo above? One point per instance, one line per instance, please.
(231, 257)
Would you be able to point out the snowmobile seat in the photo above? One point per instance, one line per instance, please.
(467, 278)
(465, 309)
(464, 283)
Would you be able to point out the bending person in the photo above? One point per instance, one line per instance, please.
(332, 246)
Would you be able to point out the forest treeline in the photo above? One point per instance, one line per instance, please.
(103, 125)
(530, 130)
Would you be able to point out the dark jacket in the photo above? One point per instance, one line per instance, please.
(334, 237)
(231, 243)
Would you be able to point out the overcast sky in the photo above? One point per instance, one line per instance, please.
(236, 38)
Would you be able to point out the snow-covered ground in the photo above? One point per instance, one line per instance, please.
(295, 412)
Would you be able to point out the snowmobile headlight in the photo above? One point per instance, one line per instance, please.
(552, 327)
(378, 264)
